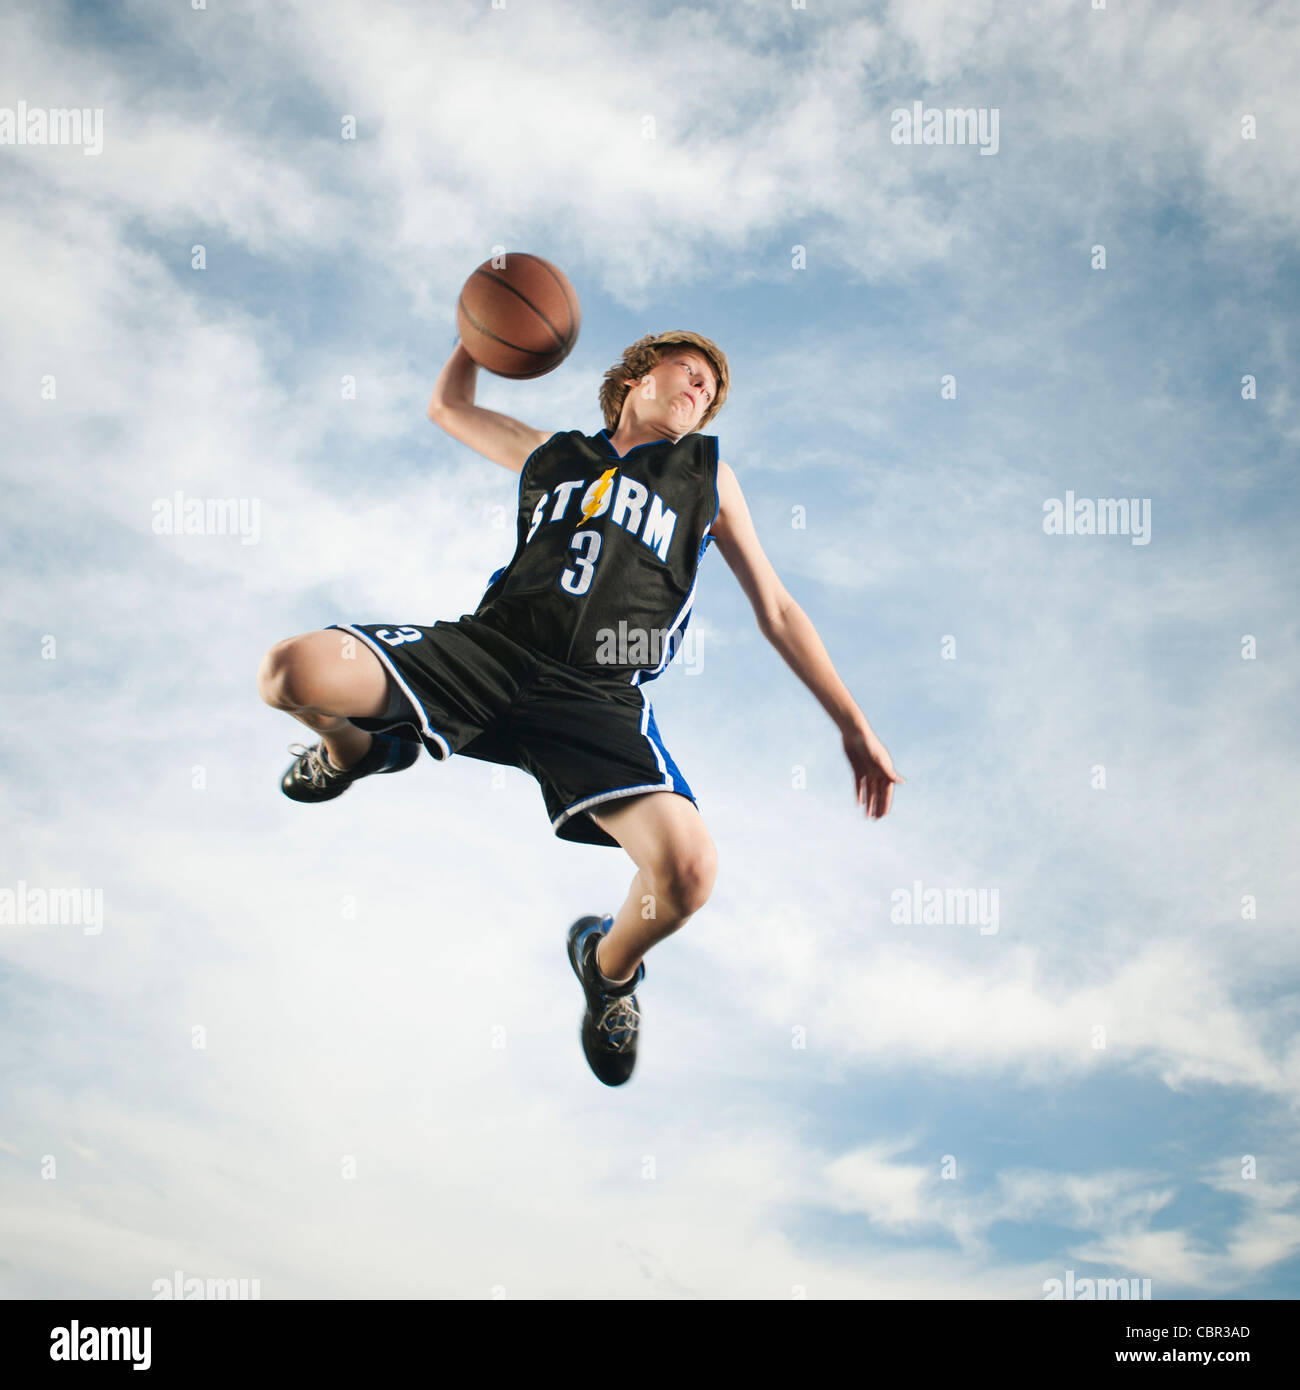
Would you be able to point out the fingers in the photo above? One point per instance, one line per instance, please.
(876, 797)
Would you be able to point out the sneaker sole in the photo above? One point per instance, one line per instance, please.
(406, 759)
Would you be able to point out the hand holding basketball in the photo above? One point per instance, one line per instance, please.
(518, 316)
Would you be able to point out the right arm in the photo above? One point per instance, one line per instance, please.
(501, 438)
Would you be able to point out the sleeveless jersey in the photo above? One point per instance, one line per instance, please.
(603, 574)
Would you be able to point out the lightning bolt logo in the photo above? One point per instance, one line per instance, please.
(601, 486)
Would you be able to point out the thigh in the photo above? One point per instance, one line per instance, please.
(660, 833)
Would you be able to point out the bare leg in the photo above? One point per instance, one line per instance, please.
(321, 678)
(676, 867)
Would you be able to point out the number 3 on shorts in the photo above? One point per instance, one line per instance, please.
(580, 582)
(403, 634)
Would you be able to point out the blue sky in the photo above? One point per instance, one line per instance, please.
(350, 963)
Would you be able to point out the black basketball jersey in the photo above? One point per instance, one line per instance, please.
(603, 574)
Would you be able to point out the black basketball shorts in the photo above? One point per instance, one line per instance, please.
(471, 689)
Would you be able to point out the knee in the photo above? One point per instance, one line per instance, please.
(687, 881)
(280, 676)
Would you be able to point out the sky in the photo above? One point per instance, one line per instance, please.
(334, 1049)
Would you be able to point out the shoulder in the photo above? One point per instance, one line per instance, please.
(564, 441)
(728, 484)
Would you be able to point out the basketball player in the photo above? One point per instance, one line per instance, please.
(549, 673)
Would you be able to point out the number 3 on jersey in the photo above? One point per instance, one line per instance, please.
(579, 581)
(395, 639)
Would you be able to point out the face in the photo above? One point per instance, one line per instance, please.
(684, 389)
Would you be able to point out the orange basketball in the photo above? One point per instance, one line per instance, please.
(519, 319)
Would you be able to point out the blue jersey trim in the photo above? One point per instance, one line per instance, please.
(674, 773)
(717, 491)
(497, 575)
(608, 442)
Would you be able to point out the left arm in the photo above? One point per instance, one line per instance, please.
(791, 632)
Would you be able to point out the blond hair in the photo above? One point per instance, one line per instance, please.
(645, 354)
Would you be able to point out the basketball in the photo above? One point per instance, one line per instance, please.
(519, 319)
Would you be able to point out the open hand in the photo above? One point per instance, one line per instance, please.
(874, 777)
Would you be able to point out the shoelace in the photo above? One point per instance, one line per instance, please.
(317, 769)
(620, 1017)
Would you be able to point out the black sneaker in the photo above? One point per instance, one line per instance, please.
(612, 1021)
(312, 777)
